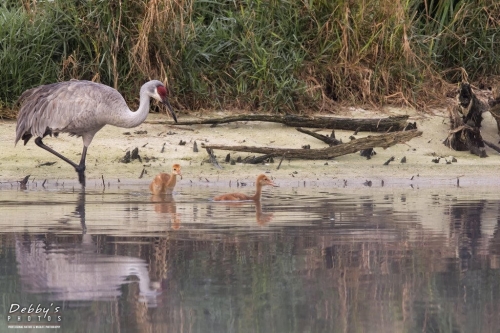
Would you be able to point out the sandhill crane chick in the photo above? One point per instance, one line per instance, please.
(262, 180)
(165, 183)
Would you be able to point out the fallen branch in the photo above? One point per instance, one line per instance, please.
(389, 160)
(492, 146)
(326, 139)
(382, 140)
(389, 124)
(25, 180)
(368, 153)
(213, 159)
(259, 159)
(282, 158)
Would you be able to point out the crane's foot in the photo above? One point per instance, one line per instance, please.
(81, 174)
(81, 178)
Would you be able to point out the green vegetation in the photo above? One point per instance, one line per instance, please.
(265, 56)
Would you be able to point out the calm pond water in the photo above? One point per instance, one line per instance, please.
(308, 259)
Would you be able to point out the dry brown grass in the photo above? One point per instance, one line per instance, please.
(272, 56)
(7, 113)
(160, 16)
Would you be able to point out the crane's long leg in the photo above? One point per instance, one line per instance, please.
(79, 168)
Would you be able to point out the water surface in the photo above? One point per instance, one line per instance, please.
(307, 259)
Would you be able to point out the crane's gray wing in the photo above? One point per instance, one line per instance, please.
(70, 107)
(31, 115)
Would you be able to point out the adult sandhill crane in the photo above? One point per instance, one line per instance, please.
(81, 108)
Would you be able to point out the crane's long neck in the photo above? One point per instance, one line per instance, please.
(172, 181)
(258, 192)
(130, 118)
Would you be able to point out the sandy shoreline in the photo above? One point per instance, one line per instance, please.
(111, 144)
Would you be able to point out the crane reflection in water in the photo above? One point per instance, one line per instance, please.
(71, 271)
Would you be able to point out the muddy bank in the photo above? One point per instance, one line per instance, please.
(159, 147)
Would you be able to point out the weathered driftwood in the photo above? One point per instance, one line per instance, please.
(465, 123)
(368, 153)
(388, 124)
(492, 146)
(24, 182)
(213, 159)
(258, 159)
(389, 160)
(494, 104)
(331, 141)
(382, 140)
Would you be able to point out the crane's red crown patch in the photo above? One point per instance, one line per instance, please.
(162, 91)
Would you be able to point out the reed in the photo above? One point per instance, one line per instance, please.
(28, 49)
(265, 56)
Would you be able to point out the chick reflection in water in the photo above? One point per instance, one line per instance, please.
(236, 199)
(260, 217)
(165, 204)
(161, 189)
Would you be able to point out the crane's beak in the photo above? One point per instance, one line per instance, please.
(271, 183)
(170, 109)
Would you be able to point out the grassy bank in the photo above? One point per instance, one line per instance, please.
(266, 56)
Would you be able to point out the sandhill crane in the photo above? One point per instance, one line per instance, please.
(81, 108)
(262, 180)
(165, 183)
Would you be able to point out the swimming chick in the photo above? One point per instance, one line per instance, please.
(262, 180)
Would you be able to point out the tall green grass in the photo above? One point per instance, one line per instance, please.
(265, 56)
(30, 50)
(243, 56)
(460, 36)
